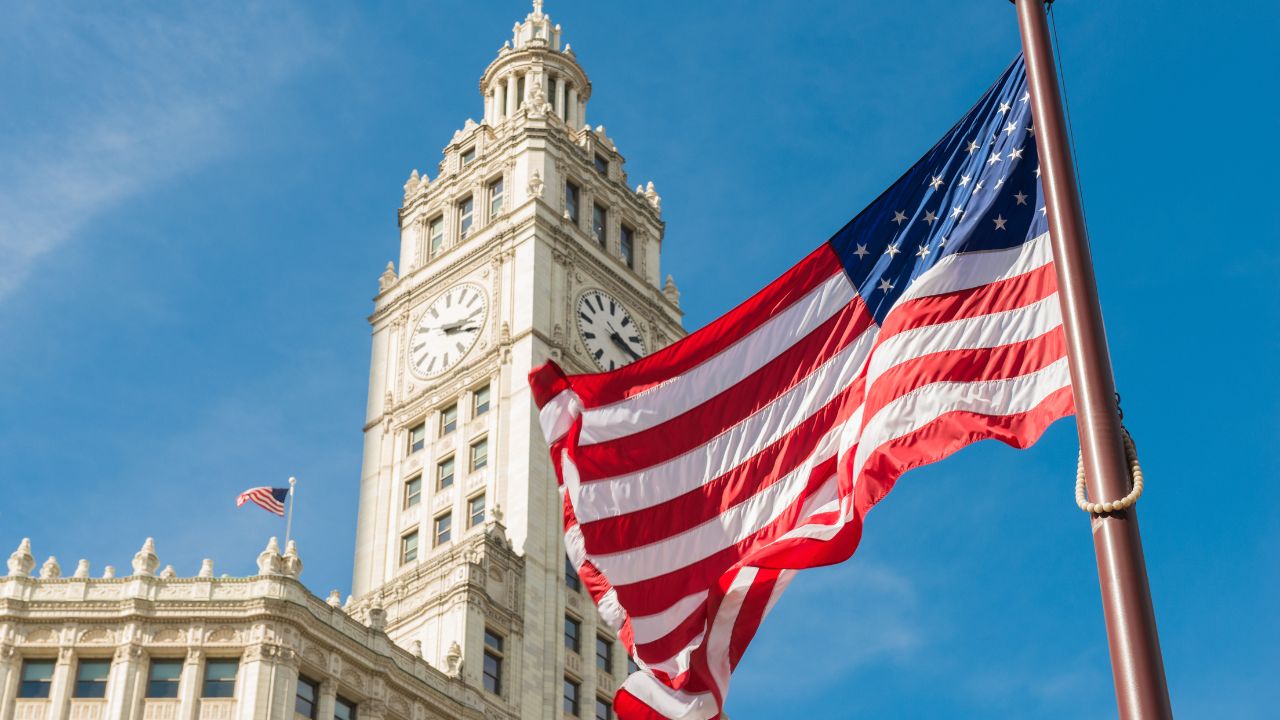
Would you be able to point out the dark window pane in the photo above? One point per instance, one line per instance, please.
(305, 702)
(444, 474)
(599, 222)
(480, 404)
(37, 677)
(602, 165)
(417, 438)
(163, 677)
(492, 673)
(571, 575)
(604, 711)
(344, 709)
(572, 630)
(409, 548)
(627, 246)
(444, 529)
(604, 654)
(220, 678)
(571, 201)
(475, 511)
(570, 697)
(493, 640)
(448, 420)
(91, 678)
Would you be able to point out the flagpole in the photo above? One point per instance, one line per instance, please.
(1136, 664)
(288, 523)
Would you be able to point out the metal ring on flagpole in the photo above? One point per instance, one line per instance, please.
(1135, 470)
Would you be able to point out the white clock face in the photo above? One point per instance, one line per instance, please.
(608, 331)
(447, 330)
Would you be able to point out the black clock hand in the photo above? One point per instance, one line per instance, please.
(617, 340)
(452, 328)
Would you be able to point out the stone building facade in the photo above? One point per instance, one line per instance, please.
(527, 244)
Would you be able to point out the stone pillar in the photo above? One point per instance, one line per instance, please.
(268, 683)
(574, 120)
(327, 700)
(582, 113)
(511, 95)
(124, 697)
(60, 691)
(189, 686)
(10, 675)
(561, 100)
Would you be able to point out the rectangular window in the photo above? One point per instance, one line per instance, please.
(604, 709)
(435, 235)
(412, 491)
(37, 678)
(448, 419)
(468, 156)
(627, 246)
(493, 662)
(475, 511)
(443, 528)
(417, 437)
(571, 689)
(444, 473)
(479, 454)
(466, 212)
(480, 401)
(91, 678)
(220, 678)
(343, 709)
(599, 220)
(571, 194)
(571, 578)
(520, 92)
(304, 702)
(163, 677)
(604, 653)
(572, 633)
(409, 547)
(602, 165)
(495, 198)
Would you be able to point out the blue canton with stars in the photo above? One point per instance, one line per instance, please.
(977, 189)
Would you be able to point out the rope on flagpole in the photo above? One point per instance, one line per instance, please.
(1135, 469)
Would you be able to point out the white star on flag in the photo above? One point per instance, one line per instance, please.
(1000, 222)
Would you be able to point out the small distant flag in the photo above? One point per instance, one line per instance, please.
(268, 498)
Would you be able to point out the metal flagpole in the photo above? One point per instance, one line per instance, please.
(288, 523)
(1136, 665)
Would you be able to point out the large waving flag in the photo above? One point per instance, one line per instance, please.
(698, 479)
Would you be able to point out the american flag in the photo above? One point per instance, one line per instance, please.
(268, 498)
(698, 479)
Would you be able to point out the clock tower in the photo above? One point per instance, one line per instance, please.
(526, 245)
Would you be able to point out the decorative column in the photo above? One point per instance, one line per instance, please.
(574, 120)
(268, 683)
(189, 686)
(60, 692)
(561, 90)
(328, 698)
(10, 671)
(511, 95)
(123, 698)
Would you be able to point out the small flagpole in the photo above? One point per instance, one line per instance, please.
(1136, 665)
(288, 523)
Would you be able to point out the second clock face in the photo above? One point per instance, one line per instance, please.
(447, 329)
(608, 331)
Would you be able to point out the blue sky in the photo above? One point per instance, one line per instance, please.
(196, 200)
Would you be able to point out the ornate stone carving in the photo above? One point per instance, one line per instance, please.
(108, 572)
(388, 277)
(292, 563)
(335, 599)
(206, 568)
(21, 562)
(536, 185)
(145, 560)
(50, 569)
(671, 292)
(453, 660)
(82, 569)
(411, 185)
(269, 560)
(125, 653)
(653, 197)
(168, 573)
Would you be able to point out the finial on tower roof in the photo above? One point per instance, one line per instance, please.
(537, 7)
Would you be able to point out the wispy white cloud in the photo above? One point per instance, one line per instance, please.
(103, 107)
(858, 614)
